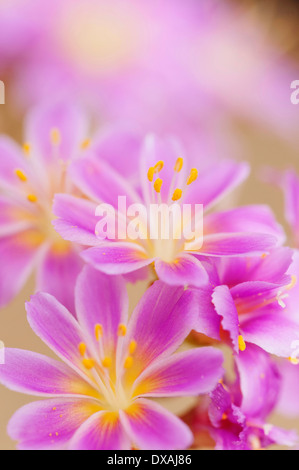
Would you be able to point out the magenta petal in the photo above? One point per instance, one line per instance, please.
(10, 160)
(208, 321)
(259, 380)
(76, 219)
(99, 432)
(288, 404)
(188, 373)
(117, 258)
(56, 326)
(161, 321)
(225, 307)
(35, 374)
(101, 299)
(273, 332)
(236, 244)
(49, 424)
(185, 270)
(57, 274)
(152, 427)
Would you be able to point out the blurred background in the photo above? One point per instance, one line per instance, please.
(216, 74)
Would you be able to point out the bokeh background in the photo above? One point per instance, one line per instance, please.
(218, 76)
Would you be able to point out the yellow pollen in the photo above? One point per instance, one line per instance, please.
(85, 144)
(224, 416)
(293, 360)
(88, 363)
(50, 435)
(132, 346)
(264, 255)
(242, 345)
(32, 198)
(106, 362)
(122, 329)
(159, 166)
(193, 176)
(82, 348)
(128, 362)
(150, 173)
(177, 194)
(158, 184)
(26, 148)
(55, 136)
(54, 409)
(21, 175)
(292, 283)
(178, 164)
(98, 331)
(56, 434)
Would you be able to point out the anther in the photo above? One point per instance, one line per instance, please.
(122, 329)
(32, 198)
(55, 136)
(85, 144)
(178, 164)
(150, 173)
(193, 176)
(158, 184)
(88, 363)
(132, 346)
(26, 148)
(241, 342)
(293, 360)
(177, 194)
(20, 174)
(128, 362)
(159, 166)
(82, 349)
(106, 362)
(98, 331)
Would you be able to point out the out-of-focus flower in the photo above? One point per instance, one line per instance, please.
(29, 178)
(168, 179)
(246, 302)
(235, 416)
(97, 399)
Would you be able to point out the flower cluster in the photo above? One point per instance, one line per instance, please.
(129, 105)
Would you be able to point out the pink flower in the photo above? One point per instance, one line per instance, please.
(97, 398)
(29, 178)
(158, 175)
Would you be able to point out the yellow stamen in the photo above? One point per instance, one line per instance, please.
(242, 344)
(26, 148)
(178, 164)
(85, 144)
(106, 362)
(293, 360)
(158, 184)
(82, 348)
(20, 174)
(55, 136)
(264, 255)
(88, 363)
(132, 346)
(98, 331)
(128, 362)
(122, 329)
(177, 194)
(292, 283)
(150, 173)
(32, 198)
(159, 166)
(193, 176)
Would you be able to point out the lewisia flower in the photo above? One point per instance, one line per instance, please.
(247, 301)
(163, 178)
(235, 415)
(97, 398)
(29, 178)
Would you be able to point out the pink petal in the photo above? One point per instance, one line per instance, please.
(49, 424)
(57, 275)
(76, 219)
(101, 299)
(117, 257)
(102, 431)
(225, 307)
(152, 427)
(185, 270)
(11, 159)
(208, 321)
(188, 373)
(67, 119)
(288, 404)
(237, 244)
(35, 374)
